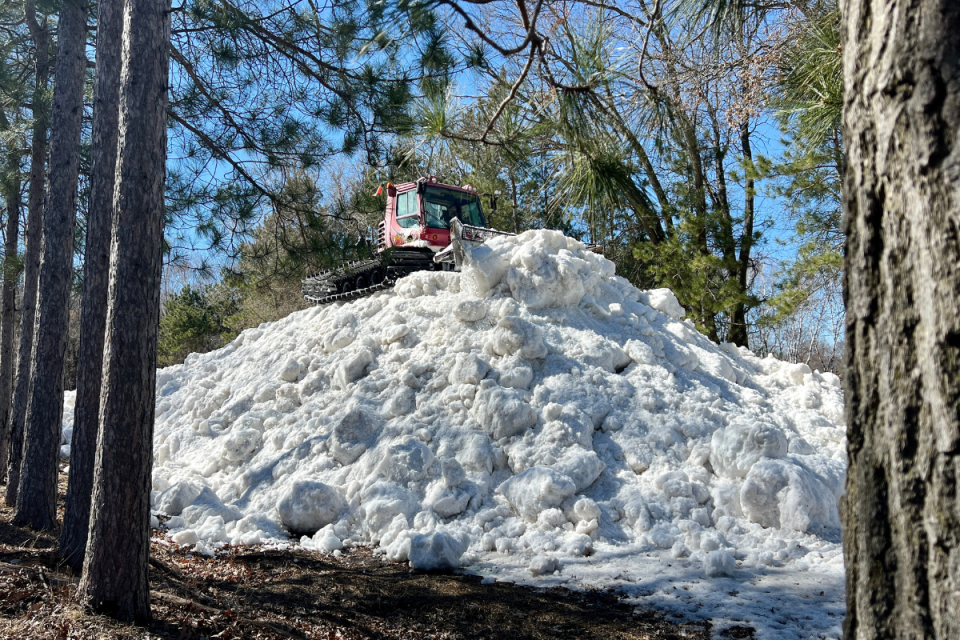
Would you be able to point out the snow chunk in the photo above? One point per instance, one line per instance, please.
(290, 371)
(641, 352)
(663, 300)
(238, 445)
(353, 368)
(516, 374)
(187, 536)
(208, 505)
(586, 509)
(468, 369)
(470, 310)
(308, 506)
(453, 473)
(735, 449)
(176, 498)
(543, 565)
(325, 541)
(435, 551)
(537, 489)
(514, 335)
(352, 434)
(581, 466)
(777, 493)
(407, 461)
(384, 502)
(502, 412)
(719, 563)
(551, 270)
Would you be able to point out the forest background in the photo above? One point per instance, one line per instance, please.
(704, 159)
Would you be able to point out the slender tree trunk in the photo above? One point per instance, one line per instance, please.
(96, 266)
(699, 199)
(31, 259)
(647, 215)
(738, 324)
(11, 193)
(115, 568)
(724, 232)
(901, 514)
(37, 496)
(516, 209)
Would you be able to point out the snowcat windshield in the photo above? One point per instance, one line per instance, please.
(442, 205)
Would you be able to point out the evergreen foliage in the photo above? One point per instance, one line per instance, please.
(809, 100)
(196, 319)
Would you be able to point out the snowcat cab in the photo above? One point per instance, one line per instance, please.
(419, 214)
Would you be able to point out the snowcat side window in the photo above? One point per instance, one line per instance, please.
(407, 214)
(442, 205)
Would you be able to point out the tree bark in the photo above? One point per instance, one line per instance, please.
(31, 258)
(115, 569)
(37, 495)
(738, 321)
(901, 515)
(11, 194)
(698, 199)
(93, 314)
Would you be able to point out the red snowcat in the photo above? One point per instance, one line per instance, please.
(423, 227)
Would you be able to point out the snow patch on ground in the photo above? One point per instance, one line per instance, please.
(534, 418)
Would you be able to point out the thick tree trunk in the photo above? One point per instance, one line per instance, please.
(115, 568)
(37, 496)
(902, 290)
(31, 258)
(11, 194)
(96, 265)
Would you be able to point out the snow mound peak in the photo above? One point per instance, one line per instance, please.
(528, 412)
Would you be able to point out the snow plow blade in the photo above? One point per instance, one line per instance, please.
(465, 234)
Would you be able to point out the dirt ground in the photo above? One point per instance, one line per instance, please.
(254, 593)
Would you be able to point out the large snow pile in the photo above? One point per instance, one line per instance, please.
(535, 418)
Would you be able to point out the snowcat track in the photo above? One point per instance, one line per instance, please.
(339, 285)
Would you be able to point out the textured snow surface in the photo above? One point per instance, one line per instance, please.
(534, 419)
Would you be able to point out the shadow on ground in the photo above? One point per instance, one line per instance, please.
(264, 594)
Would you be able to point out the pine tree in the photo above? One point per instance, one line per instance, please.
(34, 236)
(10, 270)
(15, 79)
(115, 568)
(96, 265)
(37, 495)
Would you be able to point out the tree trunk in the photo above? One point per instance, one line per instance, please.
(516, 209)
(37, 496)
(738, 321)
(901, 536)
(11, 194)
(31, 258)
(115, 568)
(96, 265)
(698, 199)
